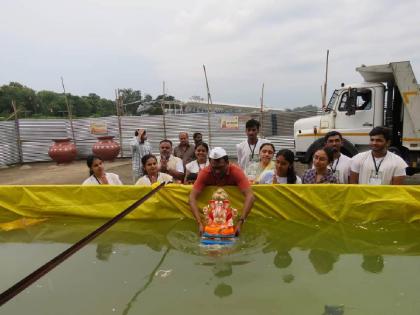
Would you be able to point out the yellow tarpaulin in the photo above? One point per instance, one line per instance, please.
(298, 203)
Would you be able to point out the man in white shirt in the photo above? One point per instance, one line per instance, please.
(248, 150)
(168, 163)
(378, 166)
(341, 164)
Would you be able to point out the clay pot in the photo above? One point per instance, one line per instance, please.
(62, 151)
(106, 148)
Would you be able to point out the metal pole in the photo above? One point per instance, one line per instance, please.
(69, 112)
(209, 104)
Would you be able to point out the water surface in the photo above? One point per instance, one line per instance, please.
(158, 267)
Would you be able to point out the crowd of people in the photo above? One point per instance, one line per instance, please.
(201, 166)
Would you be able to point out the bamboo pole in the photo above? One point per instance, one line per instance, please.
(162, 106)
(69, 111)
(209, 104)
(118, 104)
(262, 111)
(17, 129)
(324, 98)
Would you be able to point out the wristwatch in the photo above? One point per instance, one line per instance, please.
(242, 220)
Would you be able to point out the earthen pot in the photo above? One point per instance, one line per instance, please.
(62, 151)
(106, 148)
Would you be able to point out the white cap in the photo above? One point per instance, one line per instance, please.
(217, 153)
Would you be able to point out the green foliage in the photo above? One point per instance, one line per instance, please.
(45, 104)
(132, 99)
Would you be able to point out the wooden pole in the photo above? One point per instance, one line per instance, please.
(262, 111)
(17, 129)
(209, 104)
(69, 111)
(118, 104)
(163, 110)
(324, 99)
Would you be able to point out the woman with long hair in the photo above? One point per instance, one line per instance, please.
(321, 173)
(284, 172)
(151, 171)
(97, 173)
(194, 167)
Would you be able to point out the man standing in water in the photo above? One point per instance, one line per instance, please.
(378, 166)
(248, 150)
(221, 173)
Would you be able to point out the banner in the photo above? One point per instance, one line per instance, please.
(229, 122)
(98, 128)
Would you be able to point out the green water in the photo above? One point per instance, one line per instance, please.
(159, 268)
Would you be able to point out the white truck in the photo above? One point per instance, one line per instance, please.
(389, 96)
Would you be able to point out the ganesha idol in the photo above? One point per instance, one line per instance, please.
(219, 215)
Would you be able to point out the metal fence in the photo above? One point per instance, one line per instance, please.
(28, 140)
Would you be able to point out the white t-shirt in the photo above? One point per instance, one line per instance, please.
(174, 163)
(245, 151)
(388, 167)
(113, 179)
(341, 168)
(162, 177)
(193, 167)
(267, 178)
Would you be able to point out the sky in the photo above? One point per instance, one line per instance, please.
(98, 46)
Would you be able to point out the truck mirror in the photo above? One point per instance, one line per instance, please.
(350, 104)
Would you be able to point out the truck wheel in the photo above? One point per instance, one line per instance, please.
(348, 148)
(316, 145)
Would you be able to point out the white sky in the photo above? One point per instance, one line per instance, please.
(101, 45)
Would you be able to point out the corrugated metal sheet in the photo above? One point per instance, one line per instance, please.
(37, 134)
(36, 137)
(9, 152)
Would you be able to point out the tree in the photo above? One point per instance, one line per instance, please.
(131, 99)
(24, 97)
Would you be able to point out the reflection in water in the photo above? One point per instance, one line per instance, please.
(322, 261)
(147, 284)
(282, 259)
(374, 264)
(223, 290)
(333, 310)
(222, 269)
(287, 246)
(104, 251)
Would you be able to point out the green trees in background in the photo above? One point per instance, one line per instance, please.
(51, 104)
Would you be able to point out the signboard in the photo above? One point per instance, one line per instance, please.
(98, 128)
(229, 122)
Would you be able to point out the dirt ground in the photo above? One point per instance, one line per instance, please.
(49, 173)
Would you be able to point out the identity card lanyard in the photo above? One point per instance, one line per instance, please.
(252, 150)
(198, 164)
(97, 180)
(377, 166)
(336, 165)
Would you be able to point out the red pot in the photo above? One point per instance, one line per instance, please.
(62, 151)
(106, 148)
